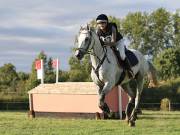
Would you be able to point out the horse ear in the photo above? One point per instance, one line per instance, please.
(88, 27)
(81, 28)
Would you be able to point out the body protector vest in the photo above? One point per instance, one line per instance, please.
(107, 36)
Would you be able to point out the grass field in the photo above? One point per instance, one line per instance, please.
(149, 123)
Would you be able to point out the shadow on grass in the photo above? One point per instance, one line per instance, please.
(155, 117)
(162, 114)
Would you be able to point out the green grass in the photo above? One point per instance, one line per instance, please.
(150, 123)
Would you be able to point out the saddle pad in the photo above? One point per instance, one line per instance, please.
(131, 57)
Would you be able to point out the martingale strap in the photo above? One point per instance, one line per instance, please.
(96, 70)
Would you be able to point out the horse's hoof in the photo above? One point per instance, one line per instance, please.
(127, 120)
(98, 116)
(131, 123)
(105, 115)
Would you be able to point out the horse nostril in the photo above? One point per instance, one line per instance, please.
(77, 53)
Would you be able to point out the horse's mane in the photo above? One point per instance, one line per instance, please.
(88, 27)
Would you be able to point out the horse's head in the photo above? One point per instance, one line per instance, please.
(84, 42)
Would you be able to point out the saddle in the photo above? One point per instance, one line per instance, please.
(129, 54)
(131, 58)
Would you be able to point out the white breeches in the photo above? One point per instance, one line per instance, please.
(121, 48)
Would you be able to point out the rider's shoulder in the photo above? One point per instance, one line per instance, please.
(113, 28)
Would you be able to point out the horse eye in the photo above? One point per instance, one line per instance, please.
(86, 39)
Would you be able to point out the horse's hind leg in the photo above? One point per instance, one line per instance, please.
(139, 89)
(130, 104)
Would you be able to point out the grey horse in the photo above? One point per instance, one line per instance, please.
(106, 72)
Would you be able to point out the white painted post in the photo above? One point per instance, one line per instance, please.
(120, 101)
(42, 66)
(57, 70)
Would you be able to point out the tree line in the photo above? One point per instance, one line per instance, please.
(156, 34)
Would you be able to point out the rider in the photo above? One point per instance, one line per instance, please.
(109, 36)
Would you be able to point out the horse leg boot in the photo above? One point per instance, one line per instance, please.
(128, 68)
(130, 113)
(107, 87)
(103, 106)
(129, 109)
(133, 116)
(130, 105)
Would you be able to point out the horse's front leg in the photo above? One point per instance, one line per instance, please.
(107, 87)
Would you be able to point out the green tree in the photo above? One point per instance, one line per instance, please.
(21, 83)
(160, 23)
(63, 76)
(79, 70)
(49, 72)
(176, 26)
(168, 63)
(135, 28)
(149, 32)
(23, 76)
(8, 77)
(32, 82)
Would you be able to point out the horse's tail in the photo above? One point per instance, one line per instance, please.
(152, 75)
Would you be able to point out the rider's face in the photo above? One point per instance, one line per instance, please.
(102, 25)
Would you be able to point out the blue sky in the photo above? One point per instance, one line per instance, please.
(28, 27)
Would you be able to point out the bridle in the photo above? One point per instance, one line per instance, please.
(88, 50)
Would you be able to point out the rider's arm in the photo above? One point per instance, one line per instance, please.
(113, 39)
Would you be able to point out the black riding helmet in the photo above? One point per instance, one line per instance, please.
(102, 18)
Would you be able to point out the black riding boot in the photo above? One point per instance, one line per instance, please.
(128, 68)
